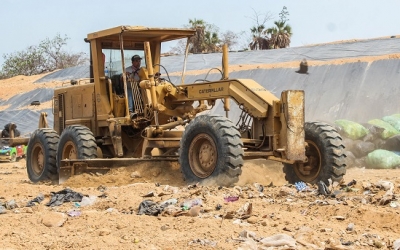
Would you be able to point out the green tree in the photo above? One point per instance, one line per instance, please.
(45, 57)
(281, 32)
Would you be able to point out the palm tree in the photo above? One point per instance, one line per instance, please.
(206, 38)
(280, 35)
(211, 41)
(259, 42)
(198, 39)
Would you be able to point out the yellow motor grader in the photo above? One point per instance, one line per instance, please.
(94, 128)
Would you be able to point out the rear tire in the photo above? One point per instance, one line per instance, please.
(41, 155)
(76, 142)
(325, 153)
(211, 147)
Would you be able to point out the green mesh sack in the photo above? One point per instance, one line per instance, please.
(352, 130)
(382, 159)
(393, 120)
(388, 131)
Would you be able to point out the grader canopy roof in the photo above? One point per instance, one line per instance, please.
(139, 34)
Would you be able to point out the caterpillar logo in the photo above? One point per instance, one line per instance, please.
(206, 91)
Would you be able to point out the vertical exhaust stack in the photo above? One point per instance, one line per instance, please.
(225, 70)
(292, 118)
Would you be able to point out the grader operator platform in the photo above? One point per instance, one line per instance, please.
(93, 128)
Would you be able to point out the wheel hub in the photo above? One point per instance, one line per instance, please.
(69, 151)
(203, 155)
(309, 171)
(38, 159)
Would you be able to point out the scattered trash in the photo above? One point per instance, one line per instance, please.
(394, 204)
(323, 188)
(350, 227)
(346, 243)
(101, 188)
(88, 200)
(135, 175)
(149, 194)
(11, 205)
(218, 207)
(336, 193)
(240, 222)
(149, 207)
(33, 202)
(193, 186)
(338, 217)
(110, 210)
(74, 213)
(231, 198)
(169, 202)
(187, 204)
(386, 185)
(351, 183)
(203, 242)
(260, 188)
(103, 195)
(248, 234)
(65, 195)
(245, 211)
(300, 186)
(3, 210)
(396, 244)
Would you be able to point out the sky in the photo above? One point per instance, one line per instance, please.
(27, 22)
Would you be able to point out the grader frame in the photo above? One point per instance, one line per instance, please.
(93, 128)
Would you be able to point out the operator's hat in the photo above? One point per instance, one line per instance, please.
(136, 57)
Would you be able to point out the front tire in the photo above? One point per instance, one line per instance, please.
(211, 147)
(41, 161)
(325, 153)
(76, 142)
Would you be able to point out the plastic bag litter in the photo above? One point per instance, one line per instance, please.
(382, 159)
(65, 195)
(388, 131)
(33, 202)
(231, 198)
(88, 200)
(393, 120)
(187, 204)
(396, 244)
(149, 207)
(352, 130)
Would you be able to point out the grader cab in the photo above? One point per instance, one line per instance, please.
(94, 128)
